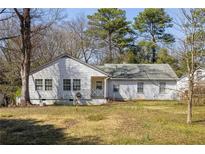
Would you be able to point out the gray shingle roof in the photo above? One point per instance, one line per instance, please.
(140, 71)
(127, 71)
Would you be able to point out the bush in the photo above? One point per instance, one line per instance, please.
(10, 92)
(18, 92)
(198, 95)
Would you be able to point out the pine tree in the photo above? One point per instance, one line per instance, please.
(110, 27)
(153, 24)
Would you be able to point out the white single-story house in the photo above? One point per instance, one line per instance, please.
(199, 75)
(69, 80)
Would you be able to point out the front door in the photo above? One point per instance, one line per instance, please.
(99, 88)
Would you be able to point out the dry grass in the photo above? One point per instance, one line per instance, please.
(142, 122)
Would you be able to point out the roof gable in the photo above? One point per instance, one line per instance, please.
(65, 56)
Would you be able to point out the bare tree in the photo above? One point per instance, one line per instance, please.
(70, 38)
(21, 35)
(85, 46)
(192, 26)
(6, 15)
(25, 28)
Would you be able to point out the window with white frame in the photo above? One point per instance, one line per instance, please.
(162, 87)
(38, 84)
(115, 88)
(48, 84)
(99, 85)
(66, 84)
(76, 84)
(140, 87)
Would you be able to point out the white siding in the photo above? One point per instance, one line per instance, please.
(128, 90)
(64, 68)
(203, 73)
(182, 83)
(67, 68)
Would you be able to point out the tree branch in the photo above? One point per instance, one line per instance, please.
(18, 14)
(8, 37)
(2, 11)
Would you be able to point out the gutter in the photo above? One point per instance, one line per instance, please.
(174, 79)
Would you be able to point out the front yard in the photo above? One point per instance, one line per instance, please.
(142, 122)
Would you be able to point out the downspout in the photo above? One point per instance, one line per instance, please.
(106, 88)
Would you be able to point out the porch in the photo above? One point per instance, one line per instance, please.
(98, 87)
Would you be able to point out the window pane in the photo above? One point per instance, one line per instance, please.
(76, 84)
(162, 87)
(39, 84)
(48, 84)
(66, 84)
(99, 85)
(115, 88)
(140, 87)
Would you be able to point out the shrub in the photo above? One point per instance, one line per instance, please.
(18, 92)
(10, 92)
(198, 94)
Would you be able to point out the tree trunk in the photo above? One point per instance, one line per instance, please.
(110, 48)
(191, 70)
(153, 49)
(25, 98)
(153, 54)
(25, 24)
(190, 99)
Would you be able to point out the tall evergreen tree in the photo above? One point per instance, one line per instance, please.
(153, 23)
(110, 27)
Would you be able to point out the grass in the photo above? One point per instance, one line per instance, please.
(96, 117)
(140, 122)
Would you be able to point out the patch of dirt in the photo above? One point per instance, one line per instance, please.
(128, 124)
(69, 123)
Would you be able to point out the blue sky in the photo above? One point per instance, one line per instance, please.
(130, 13)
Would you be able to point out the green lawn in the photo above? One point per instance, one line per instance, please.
(141, 122)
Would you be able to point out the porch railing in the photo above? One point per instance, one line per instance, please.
(97, 93)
